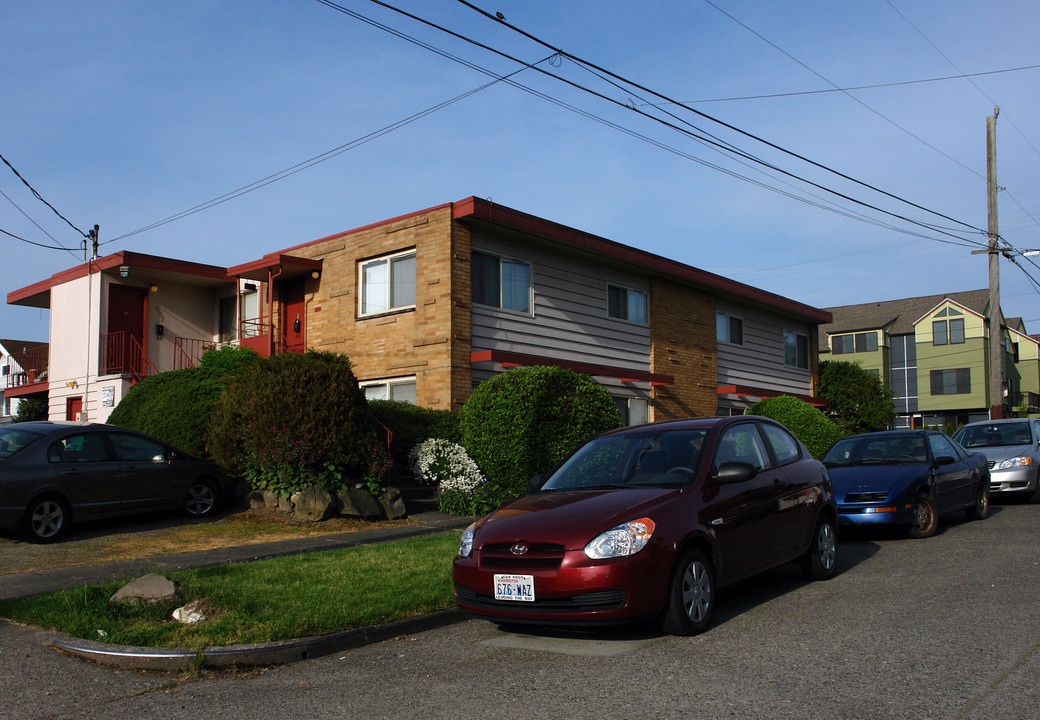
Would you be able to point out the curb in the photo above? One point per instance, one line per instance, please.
(278, 653)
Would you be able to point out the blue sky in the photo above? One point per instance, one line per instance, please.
(127, 113)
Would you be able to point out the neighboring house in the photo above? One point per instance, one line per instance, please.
(932, 352)
(429, 304)
(23, 367)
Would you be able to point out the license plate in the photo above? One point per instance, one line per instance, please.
(519, 588)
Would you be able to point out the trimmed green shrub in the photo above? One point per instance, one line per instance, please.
(411, 424)
(173, 406)
(292, 420)
(228, 358)
(30, 410)
(812, 427)
(524, 421)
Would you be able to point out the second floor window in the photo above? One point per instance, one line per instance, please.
(796, 349)
(857, 343)
(951, 382)
(729, 329)
(388, 283)
(500, 282)
(626, 304)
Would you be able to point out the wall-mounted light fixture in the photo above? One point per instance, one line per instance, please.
(153, 287)
(249, 287)
(315, 274)
(124, 271)
(72, 384)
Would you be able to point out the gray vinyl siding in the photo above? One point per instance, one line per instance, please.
(759, 362)
(569, 320)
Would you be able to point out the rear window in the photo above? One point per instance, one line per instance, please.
(13, 440)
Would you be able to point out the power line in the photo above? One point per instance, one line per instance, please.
(642, 88)
(40, 197)
(19, 209)
(798, 93)
(31, 242)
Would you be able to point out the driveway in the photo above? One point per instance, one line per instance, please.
(940, 628)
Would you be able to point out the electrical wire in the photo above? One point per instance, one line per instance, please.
(19, 209)
(32, 242)
(40, 197)
(699, 113)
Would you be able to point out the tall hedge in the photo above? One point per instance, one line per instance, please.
(812, 427)
(522, 422)
(173, 406)
(295, 415)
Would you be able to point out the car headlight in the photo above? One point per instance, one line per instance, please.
(466, 543)
(1014, 462)
(625, 539)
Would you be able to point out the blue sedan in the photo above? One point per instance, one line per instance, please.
(906, 477)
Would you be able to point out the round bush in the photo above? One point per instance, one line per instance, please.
(228, 358)
(524, 421)
(292, 420)
(173, 406)
(816, 431)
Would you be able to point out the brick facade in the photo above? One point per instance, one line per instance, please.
(682, 344)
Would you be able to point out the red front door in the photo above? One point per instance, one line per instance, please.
(294, 335)
(73, 407)
(125, 327)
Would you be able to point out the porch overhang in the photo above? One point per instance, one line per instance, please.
(285, 267)
(514, 359)
(745, 392)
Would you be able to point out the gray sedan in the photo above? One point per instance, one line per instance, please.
(54, 473)
(1012, 449)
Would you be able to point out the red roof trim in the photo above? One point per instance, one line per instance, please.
(480, 209)
(513, 359)
(29, 389)
(257, 269)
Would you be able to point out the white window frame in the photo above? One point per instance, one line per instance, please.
(629, 292)
(389, 385)
(387, 296)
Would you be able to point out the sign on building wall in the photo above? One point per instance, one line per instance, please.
(108, 396)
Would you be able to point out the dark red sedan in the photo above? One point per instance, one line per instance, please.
(650, 521)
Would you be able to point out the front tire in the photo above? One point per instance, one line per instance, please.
(46, 519)
(820, 561)
(980, 510)
(691, 596)
(202, 498)
(925, 517)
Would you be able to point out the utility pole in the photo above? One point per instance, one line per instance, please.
(996, 322)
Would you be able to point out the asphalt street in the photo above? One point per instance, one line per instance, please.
(947, 627)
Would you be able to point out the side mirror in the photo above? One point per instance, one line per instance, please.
(734, 472)
(944, 460)
(535, 483)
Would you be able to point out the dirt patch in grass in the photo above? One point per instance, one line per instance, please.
(126, 539)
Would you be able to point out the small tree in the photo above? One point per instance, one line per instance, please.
(524, 421)
(31, 410)
(816, 431)
(859, 402)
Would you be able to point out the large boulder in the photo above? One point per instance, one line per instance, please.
(356, 501)
(393, 505)
(151, 588)
(312, 504)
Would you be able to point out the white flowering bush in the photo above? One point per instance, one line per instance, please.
(444, 463)
(462, 488)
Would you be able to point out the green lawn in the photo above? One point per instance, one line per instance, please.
(263, 601)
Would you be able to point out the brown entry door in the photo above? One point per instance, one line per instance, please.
(294, 330)
(74, 408)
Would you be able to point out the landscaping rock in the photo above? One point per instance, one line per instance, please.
(312, 504)
(256, 500)
(151, 588)
(194, 612)
(358, 502)
(393, 505)
(285, 505)
(271, 500)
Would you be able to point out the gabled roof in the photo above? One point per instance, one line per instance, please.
(13, 346)
(897, 317)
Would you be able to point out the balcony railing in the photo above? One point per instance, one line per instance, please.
(27, 367)
(1029, 400)
(122, 353)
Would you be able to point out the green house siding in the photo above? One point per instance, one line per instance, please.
(952, 356)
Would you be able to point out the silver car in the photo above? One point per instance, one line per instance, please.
(1012, 449)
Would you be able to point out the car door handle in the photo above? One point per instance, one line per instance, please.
(71, 471)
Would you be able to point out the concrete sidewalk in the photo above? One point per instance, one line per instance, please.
(33, 583)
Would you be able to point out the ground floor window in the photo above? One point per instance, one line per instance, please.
(399, 389)
(634, 410)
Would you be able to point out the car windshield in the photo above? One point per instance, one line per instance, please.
(13, 440)
(890, 450)
(665, 459)
(994, 435)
